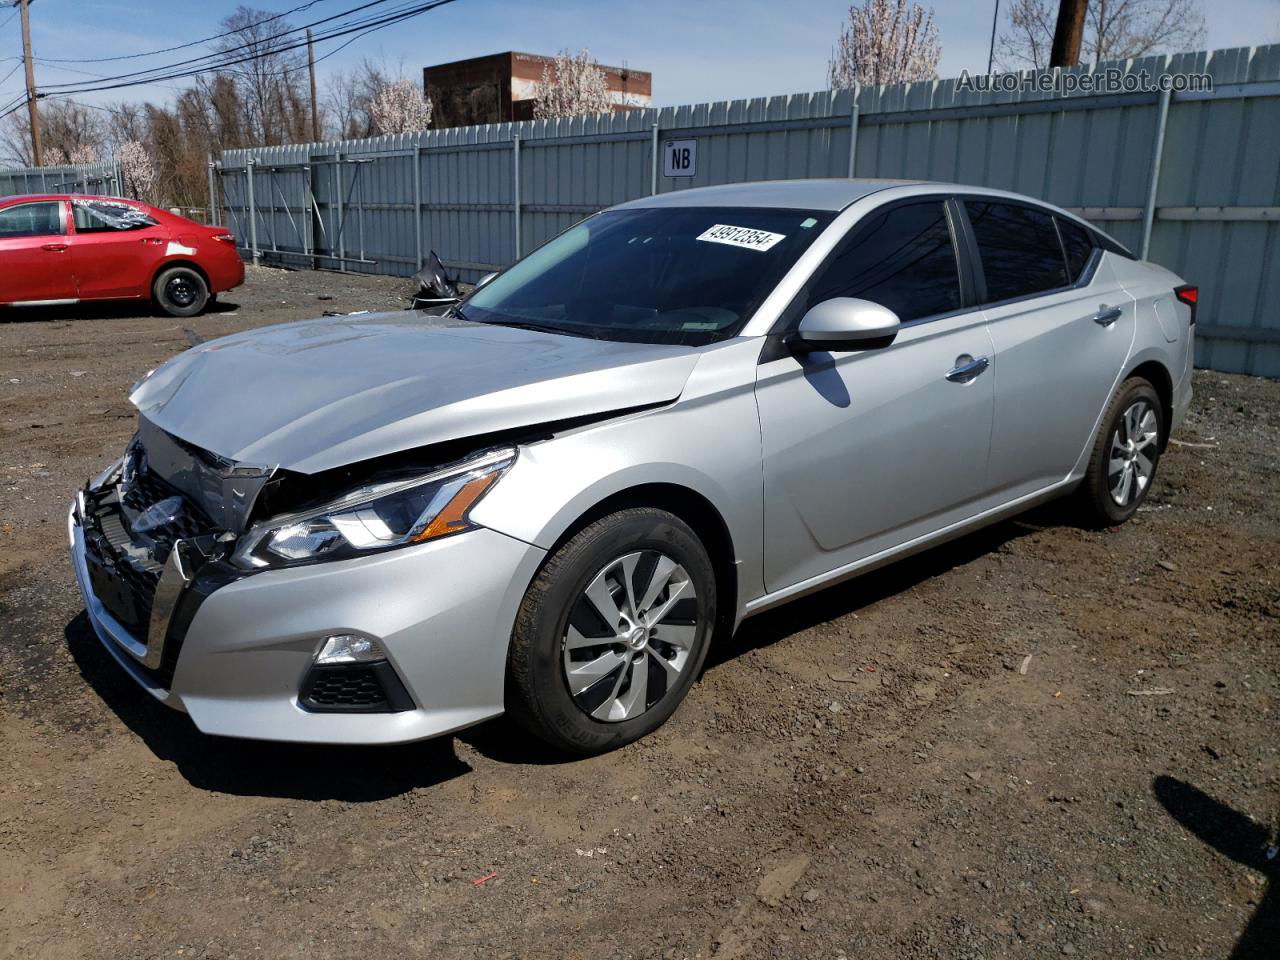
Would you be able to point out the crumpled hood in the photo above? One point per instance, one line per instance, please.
(324, 393)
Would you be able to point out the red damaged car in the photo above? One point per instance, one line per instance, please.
(63, 249)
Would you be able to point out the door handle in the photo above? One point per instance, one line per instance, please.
(967, 368)
(55, 247)
(1107, 316)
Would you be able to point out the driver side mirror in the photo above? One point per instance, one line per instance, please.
(845, 324)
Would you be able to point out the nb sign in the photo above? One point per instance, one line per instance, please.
(679, 158)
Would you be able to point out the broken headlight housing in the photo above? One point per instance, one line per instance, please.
(377, 517)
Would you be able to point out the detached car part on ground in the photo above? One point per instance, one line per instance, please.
(682, 411)
(60, 249)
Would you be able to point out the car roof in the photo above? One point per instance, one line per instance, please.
(815, 194)
(29, 197)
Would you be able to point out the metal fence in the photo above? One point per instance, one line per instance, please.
(1191, 179)
(99, 179)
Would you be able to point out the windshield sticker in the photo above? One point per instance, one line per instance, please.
(808, 223)
(745, 237)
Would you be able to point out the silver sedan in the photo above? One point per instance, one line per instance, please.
(680, 412)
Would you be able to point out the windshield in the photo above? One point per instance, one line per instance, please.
(652, 275)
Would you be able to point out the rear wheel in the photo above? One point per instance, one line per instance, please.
(1125, 454)
(612, 632)
(180, 292)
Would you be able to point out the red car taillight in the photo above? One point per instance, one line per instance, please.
(1190, 295)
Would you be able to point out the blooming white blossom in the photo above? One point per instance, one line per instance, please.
(886, 41)
(574, 86)
(399, 107)
(83, 154)
(138, 171)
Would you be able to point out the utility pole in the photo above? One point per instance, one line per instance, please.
(991, 52)
(315, 110)
(32, 109)
(1068, 34)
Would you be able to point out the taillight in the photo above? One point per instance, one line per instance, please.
(1190, 295)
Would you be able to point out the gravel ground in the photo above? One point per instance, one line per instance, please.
(1036, 741)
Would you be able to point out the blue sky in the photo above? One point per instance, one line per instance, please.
(697, 50)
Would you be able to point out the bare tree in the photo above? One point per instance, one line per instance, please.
(574, 85)
(885, 41)
(269, 84)
(349, 98)
(1113, 30)
(400, 107)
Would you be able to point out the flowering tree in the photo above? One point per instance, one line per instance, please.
(399, 107)
(138, 171)
(83, 154)
(886, 41)
(575, 86)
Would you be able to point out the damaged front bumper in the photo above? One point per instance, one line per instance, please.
(235, 650)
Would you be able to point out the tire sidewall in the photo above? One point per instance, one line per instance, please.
(1130, 393)
(581, 561)
(172, 309)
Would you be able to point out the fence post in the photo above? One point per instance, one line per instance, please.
(213, 192)
(338, 199)
(417, 203)
(515, 204)
(653, 162)
(253, 211)
(853, 130)
(1153, 182)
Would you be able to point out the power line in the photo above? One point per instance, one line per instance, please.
(219, 58)
(181, 46)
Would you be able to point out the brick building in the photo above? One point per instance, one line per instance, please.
(500, 87)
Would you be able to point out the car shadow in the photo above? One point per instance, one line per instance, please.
(1237, 837)
(252, 767)
(841, 599)
(103, 310)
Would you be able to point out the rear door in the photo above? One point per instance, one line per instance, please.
(117, 248)
(35, 264)
(866, 450)
(1062, 326)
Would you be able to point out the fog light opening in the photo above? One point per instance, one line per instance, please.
(349, 648)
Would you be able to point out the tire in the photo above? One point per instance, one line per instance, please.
(180, 292)
(580, 696)
(1123, 462)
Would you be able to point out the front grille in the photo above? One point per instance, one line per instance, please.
(354, 688)
(125, 566)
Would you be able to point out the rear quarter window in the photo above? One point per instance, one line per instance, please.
(1077, 244)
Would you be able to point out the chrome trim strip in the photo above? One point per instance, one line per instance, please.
(44, 303)
(173, 581)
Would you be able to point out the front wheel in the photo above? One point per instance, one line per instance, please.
(612, 632)
(180, 292)
(1125, 454)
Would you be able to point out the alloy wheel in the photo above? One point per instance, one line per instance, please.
(1132, 453)
(630, 635)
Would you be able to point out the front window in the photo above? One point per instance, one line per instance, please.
(689, 275)
(31, 220)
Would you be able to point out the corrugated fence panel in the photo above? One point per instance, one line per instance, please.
(380, 205)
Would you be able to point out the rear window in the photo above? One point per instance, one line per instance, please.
(1019, 247)
(102, 216)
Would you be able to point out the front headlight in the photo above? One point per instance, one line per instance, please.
(377, 517)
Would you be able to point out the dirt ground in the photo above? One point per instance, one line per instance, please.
(1036, 741)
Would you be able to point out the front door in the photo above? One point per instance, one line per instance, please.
(35, 265)
(867, 450)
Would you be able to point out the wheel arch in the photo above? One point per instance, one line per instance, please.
(180, 262)
(702, 516)
(1157, 374)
